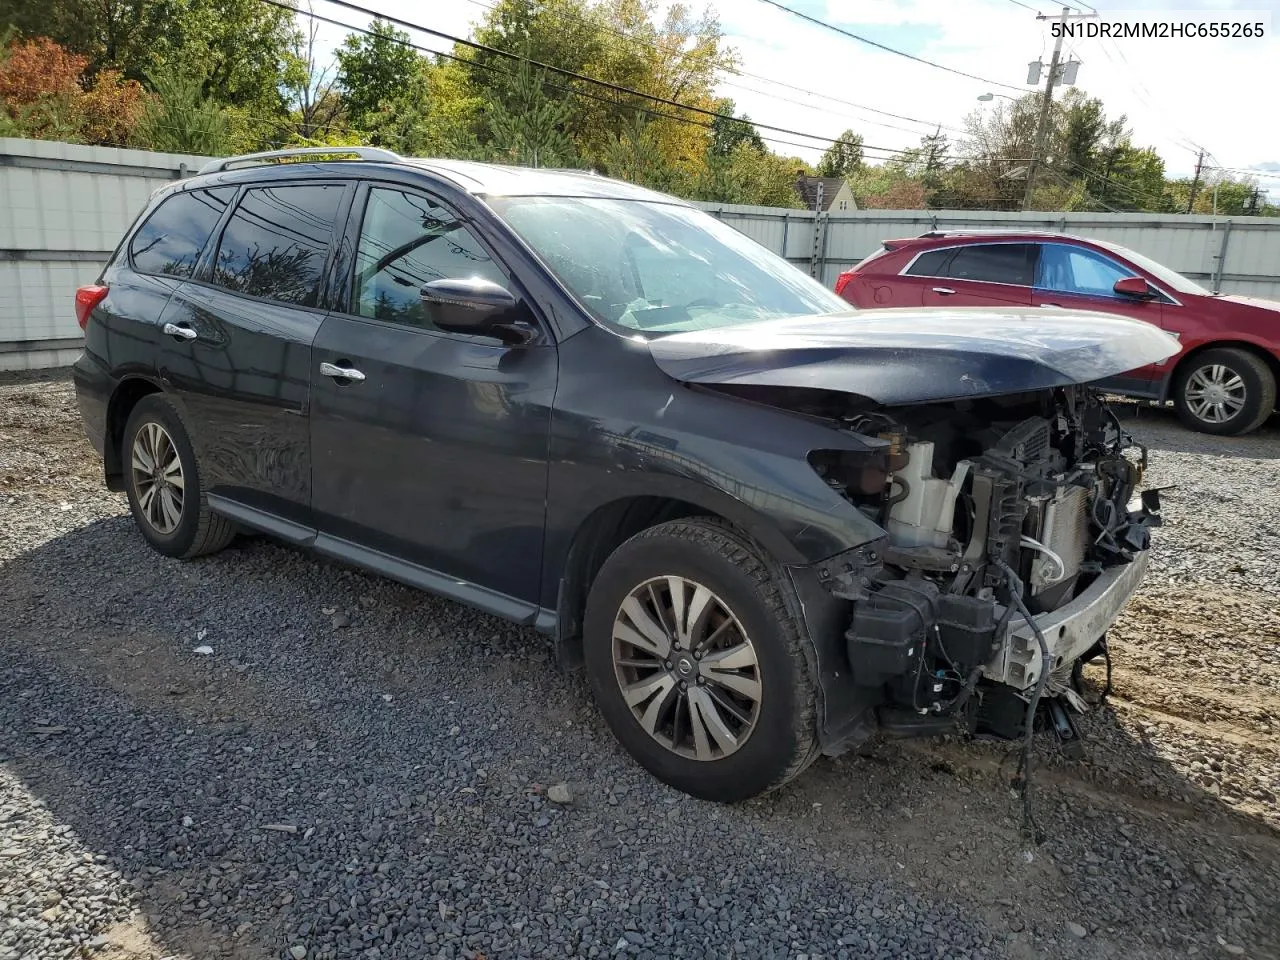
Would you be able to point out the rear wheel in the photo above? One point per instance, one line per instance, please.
(694, 656)
(1225, 391)
(163, 483)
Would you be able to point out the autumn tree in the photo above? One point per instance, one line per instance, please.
(45, 93)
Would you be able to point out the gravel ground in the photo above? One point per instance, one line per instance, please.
(361, 770)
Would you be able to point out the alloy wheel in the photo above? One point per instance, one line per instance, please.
(687, 669)
(157, 478)
(1215, 393)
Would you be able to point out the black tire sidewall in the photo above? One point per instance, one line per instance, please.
(773, 745)
(156, 409)
(1249, 414)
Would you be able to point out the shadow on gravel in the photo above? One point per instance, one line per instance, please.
(358, 770)
(1160, 429)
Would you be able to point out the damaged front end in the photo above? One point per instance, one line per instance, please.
(1015, 534)
(1007, 491)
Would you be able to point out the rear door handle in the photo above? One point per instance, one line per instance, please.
(181, 331)
(342, 373)
(945, 291)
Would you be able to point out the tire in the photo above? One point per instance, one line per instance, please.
(1243, 380)
(751, 603)
(154, 440)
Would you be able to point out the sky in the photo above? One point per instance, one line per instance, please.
(1179, 94)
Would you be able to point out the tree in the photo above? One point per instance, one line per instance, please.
(633, 155)
(181, 119)
(528, 126)
(374, 70)
(44, 93)
(843, 157)
(237, 47)
(316, 106)
(727, 133)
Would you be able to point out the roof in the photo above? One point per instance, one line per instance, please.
(940, 237)
(807, 187)
(484, 179)
(493, 179)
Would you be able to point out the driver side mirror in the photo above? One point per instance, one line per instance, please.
(1134, 287)
(478, 307)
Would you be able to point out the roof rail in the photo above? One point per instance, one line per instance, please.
(249, 159)
(976, 232)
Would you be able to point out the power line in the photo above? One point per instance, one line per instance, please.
(566, 17)
(617, 88)
(880, 46)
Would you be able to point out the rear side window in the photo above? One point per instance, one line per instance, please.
(931, 263)
(994, 263)
(170, 240)
(276, 243)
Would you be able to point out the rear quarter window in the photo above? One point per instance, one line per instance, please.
(170, 240)
(931, 263)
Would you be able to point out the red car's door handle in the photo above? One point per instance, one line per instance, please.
(945, 291)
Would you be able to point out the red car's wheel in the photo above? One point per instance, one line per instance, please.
(1224, 391)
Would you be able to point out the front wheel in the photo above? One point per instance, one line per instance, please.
(1225, 391)
(695, 659)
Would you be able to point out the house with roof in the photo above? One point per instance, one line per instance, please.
(825, 194)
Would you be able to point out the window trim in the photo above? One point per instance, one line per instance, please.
(1128, 269)
(344, 285)
(203, 273)
(983, 243)
(215, 230)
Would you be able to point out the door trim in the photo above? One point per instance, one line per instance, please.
(289, 531)
(393, 568)
(424, 578)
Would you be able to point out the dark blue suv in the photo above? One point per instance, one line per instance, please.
(767, 524)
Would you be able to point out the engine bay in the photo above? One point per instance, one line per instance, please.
(997, 511)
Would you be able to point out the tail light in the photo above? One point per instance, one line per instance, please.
(844, 280)
(86, 299)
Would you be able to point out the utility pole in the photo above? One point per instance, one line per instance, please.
(1195, 182)
(1046, 103)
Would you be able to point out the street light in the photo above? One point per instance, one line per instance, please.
(987, 97)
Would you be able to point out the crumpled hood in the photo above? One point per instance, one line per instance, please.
(913, 356)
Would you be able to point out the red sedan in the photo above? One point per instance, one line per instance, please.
(1222, 381)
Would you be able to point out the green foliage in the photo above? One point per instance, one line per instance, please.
(182, 119)
(237, 47)
(843, 158)
(726, 133)
(375, 70)
(528, 127)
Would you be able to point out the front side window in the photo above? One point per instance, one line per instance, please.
(1067, 269)
(276, 243)
(661, 267)
(406, 241)
(170, 241)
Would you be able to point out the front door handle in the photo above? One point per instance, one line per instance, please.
(1051, 306)
(342, 373)
(945, 291)
(181, 331)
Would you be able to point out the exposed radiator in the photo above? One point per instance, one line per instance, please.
(1065, 531)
